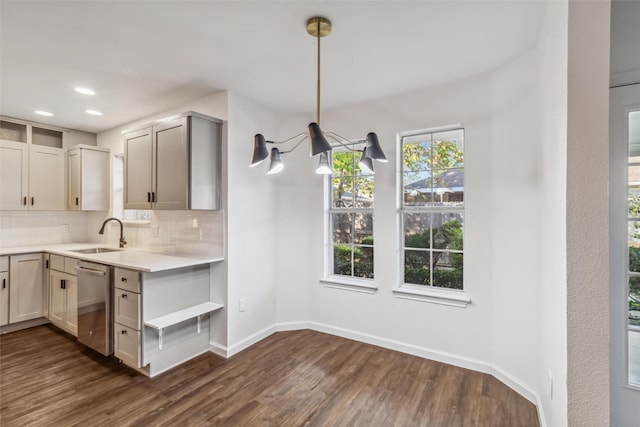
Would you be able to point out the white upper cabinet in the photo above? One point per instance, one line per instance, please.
(88, 179)
(31, 167)
(174, 165)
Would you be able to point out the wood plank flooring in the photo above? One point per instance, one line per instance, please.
(298, 378)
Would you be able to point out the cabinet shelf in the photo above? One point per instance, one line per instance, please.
(179, 316)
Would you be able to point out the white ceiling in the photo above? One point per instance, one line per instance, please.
(144, 57)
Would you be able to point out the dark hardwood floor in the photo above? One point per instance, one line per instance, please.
(299, 378)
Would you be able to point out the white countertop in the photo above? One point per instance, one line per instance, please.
(135, 259)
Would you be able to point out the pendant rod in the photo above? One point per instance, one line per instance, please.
(318, 85)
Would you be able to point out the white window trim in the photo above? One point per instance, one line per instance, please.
(430, 294)
(335, 281)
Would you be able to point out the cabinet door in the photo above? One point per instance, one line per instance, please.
(14, 166)
(26, 297)
(138, 169)
(171, 162)
(4, 298)
(127, 345)
(95, 185)
(71, 312)
(46, 178)
(127, 308)
(57, 298)
(73, 177)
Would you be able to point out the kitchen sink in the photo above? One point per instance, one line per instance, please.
(94, 250)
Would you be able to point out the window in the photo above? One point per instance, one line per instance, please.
(433, 208)
(350, 217)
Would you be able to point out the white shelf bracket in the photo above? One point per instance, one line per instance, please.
(160, 339)
(199, 323)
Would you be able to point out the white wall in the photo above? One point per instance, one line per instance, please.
(515, 152)
(552, 314)
(250, 224)
(588, 213)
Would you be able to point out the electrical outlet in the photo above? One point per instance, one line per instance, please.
(550, 385)
(242, 304)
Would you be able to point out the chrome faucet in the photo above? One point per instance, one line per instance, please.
(122, 241)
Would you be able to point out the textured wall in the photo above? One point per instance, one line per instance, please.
(587, 214)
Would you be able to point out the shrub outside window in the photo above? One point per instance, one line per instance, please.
(350, 217)
(433, 208)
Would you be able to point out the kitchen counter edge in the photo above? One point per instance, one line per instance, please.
(131, 258)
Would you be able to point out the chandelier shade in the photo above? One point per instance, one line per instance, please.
(275, 164)
(318, 27)
(366, 162)
(260, 151)
(319, 143)
(374, 152)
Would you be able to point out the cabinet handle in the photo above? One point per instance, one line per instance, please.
(153, 196)
(124, 296)
(124, 279)
(63, 284)
(32, 201)
(4, 283)
(46, 263)
(149, 197)
(123, 332)
(24, 201)
(77, 201)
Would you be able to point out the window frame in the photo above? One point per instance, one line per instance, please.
(330, 279)
(427, 293)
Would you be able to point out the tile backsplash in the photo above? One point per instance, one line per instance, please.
(18, 228)
(186, 232)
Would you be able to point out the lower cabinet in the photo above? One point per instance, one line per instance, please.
(63, 301)
(4, 290)
(127, 317)
(63, 293)
(26, 296)
(161, 319)
(127, 345)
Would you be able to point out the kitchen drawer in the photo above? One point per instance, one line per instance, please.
(56, 262)
(4, 263)
(127, 345)
(127, 279)
(70, 265)
(127, 308)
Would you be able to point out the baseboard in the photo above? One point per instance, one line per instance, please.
(438, 356)
(23, 325)
(415, 350)
(541, 418)
(219, 349)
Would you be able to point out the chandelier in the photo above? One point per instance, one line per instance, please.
(318, 143)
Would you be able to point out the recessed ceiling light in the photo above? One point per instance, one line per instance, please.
(43, 113)
(94, 112)
(85, 91)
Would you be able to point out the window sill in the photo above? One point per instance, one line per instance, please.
(452, 298)
(349, 284)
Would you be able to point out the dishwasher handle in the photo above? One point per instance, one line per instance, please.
(90, 271)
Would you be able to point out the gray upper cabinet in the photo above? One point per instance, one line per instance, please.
(88, 179)
(174, 165)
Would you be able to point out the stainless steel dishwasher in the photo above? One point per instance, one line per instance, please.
(95, 308)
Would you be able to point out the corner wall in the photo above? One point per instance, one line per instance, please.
(551, 370)
(588, 213)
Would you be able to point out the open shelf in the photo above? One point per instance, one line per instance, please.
(176, 317)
